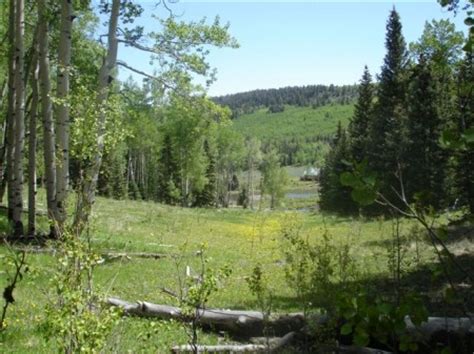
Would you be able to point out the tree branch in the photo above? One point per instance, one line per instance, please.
(151, 77)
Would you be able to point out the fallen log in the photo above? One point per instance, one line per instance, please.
(273, 346)
(455, 333)
(232, 348)
(110, 256)
(107, 256)
(238, 323)
(461, 325)
(246, 324)
(350, 349)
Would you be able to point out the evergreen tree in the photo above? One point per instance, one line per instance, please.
(386, 138)
(168, 191)
(359, 125)
(441, 47)
(424, 159)
(207, 196)
(112, 175)
(332, 195)
(465, 156)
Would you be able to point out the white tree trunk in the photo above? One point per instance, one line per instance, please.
(19, 120)
(64, 61)
(3, 155)
(274, 346)
(46, 111)
(11, 109)
(106, 76)
(3, 149)
(32, 148)
(240, 323)
(251, 184)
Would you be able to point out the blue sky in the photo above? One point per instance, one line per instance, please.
(285, 43)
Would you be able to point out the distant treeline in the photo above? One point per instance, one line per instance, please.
(312, 95)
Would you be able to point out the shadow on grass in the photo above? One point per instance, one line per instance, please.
(426, 280)
(455, 234)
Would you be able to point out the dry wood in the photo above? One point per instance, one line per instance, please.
(251, 323)
(238, 323)
(351, 349)
(108, 256)
(273, 346)
(435, 325)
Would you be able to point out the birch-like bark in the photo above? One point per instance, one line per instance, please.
(3, 148)
(3, 155)
(129, 172)
(19, 120)
(32, 146)
(86, 198)
(46, 111)
(64, 60)
(10, 136)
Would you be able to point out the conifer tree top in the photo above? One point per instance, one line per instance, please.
(396, 47)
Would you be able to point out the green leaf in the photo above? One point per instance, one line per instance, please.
(384, 308)
(361, 338)
(369, 180)
(348, 179)
(442, 233)
(469, 21)
(450, 140)
(404, 346)
(346, 329)
(347, 163)
(364, 196)
(468, 135)
(468, 46)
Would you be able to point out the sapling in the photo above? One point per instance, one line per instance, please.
(16, 260)
(195, 290)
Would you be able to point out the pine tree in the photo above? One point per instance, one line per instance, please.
(386, 136)
(111, 181)
(424, 159)
(207, 196)
(333, 196)
(168, 191)
(359, 125)
(465, 157)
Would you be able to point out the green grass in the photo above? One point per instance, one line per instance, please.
(236, 237)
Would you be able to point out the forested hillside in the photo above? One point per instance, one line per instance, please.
(300, 134)
(274, 99)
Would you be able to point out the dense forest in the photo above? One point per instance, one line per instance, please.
(303, 219)
(275, 99)
(412, 130)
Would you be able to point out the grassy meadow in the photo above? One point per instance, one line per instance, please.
(235, 237)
